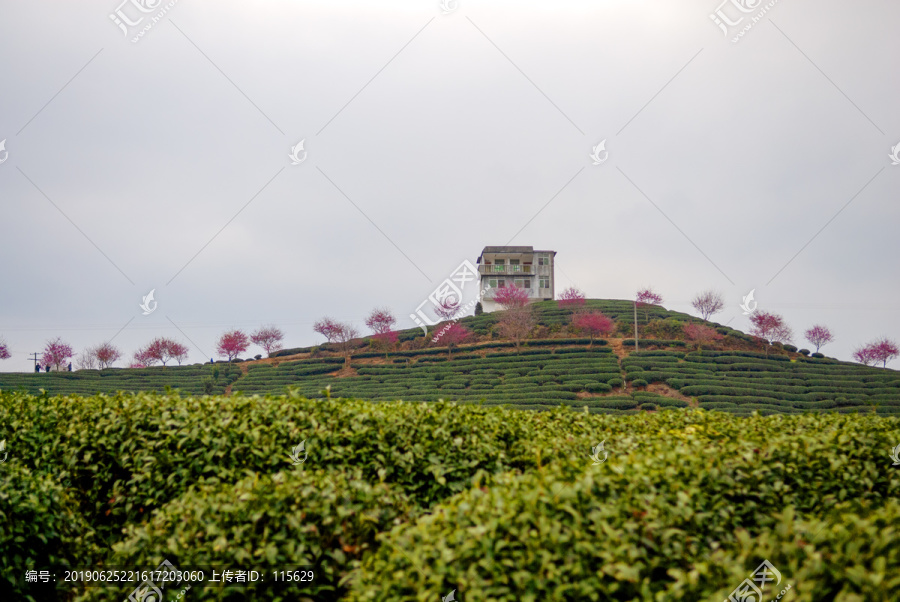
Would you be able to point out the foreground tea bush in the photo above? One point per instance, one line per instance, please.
(496, 503)
(664, 501)
(40, 526)
(317, 520)
(851, 556)
(127, 455)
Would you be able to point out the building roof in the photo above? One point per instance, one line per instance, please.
(506, 249)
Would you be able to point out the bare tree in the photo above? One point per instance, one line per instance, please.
(86, 360)
(516, 324)
(708, 303)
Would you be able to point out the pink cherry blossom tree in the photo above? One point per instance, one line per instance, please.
(328, 328)
(819, 336)
(454, 335)
(882, 350)
(141, 359)
(885, 350)
(593, 324)
(57, 353)
(771, 328)
(340, 334)
(571, 298)
(106, 354)
(382, 321)
(269, 338)
(509, 297)
(232, 343)
(701, 334)
(864, 355)
(646, 297)
(163, 349)
(4, 350)
(178, 351)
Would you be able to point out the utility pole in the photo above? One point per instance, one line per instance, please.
(35, 358)
(635, 327)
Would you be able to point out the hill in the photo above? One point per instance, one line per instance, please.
(737, 374)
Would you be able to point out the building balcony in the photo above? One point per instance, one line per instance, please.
(504, 270)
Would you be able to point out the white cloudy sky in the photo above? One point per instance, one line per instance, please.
(163, 164)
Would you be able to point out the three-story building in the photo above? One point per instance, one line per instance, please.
(522, 267)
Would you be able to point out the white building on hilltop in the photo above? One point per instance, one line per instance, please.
(515, 266)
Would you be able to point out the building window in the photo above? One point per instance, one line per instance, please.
(492, 283)
(499, 261)
(513, 262)
(545, 283)
(501, 283)
(520, 283)
(543, 260)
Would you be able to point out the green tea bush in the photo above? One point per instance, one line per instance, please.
(130, 454)
(321, 520)
(846, 556)
(665, 518)
(41, 528)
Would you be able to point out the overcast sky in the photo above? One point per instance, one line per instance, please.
(162, 162)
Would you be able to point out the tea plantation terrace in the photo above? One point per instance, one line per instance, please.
(737, 375)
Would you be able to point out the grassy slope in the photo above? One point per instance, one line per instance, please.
(736, 377)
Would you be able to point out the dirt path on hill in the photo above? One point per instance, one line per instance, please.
(618, 347)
